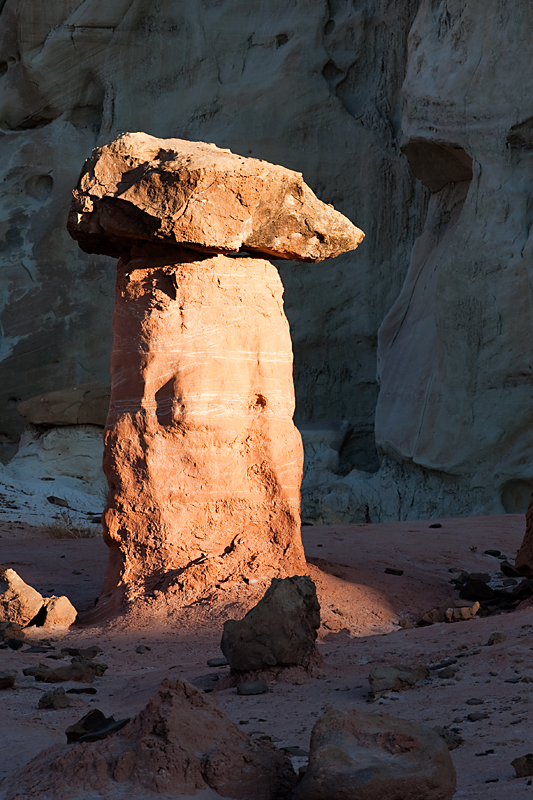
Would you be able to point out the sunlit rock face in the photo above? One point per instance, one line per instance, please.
(201, 453)
(312, 86)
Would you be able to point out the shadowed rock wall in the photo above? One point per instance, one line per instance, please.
(454, 415)
(314, 86)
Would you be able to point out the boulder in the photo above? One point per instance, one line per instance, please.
(57, 612)
(19, 603)
(361, 756)
(280, 630)
(179, 744)
(86, 404)
(395, 678)
(174, 191)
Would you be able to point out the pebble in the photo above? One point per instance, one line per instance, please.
(7, 678)
(475, 701)
(217, 662)
(142, 648)
(496, 638)
(477, 715)
(252, 687)
(294, 750)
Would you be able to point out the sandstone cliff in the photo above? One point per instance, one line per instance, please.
(334, 90)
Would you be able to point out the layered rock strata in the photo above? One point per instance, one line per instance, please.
(202, 457)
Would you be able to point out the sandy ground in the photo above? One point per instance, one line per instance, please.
(356, 556)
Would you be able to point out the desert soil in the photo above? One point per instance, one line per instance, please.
(356, 595)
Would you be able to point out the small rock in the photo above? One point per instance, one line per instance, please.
(57, 501)
(7, 678)
(393, 571)
(57, 612)
(88, 652)
(142, 648)
(294, 750)
(280, 630)
(405, 623)
(217, 662)
(447, 673)
(82, 690)
(452, 738)
(435, 525)
(395, 678)
(55, 699)
(19, 603)
(523, 766)
(475, 701)
(252, 687)
(93, 726)
(78, 670)
(495, 553)
(10, 630)
(496, 638)
(14, 644)
(477, 715)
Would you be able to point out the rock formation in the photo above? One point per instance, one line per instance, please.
(453, 417)
(179, 744)
(319, 89)
(200, 451)
(313, 87)
(280, 630)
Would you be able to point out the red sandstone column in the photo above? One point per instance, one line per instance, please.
(201, 454)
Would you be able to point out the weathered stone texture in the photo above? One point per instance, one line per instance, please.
(202, 456)
(196, 194)
(312, 87)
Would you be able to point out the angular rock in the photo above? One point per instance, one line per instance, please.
(452, 738)
(360, 756)
(451, 610)
(55, 699)
(280, 630)
(8, 678)
(19, 603)
(395, 678)
(523, 766)
(497, 637)
(78, 670)
(57, 612)
(11, 630)
(86, 404)
(174, 191)
(179, 744)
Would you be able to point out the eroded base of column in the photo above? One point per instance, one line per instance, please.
(202, 457)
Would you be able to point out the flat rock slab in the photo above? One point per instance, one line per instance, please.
(174, 191)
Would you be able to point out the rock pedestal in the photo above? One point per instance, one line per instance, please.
(201, 454)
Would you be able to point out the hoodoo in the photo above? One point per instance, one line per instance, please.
(201, 454)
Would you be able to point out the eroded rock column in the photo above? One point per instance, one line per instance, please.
(202, 457)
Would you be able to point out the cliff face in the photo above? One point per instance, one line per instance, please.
(334, 90)
(312, 86)
(454, 414)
